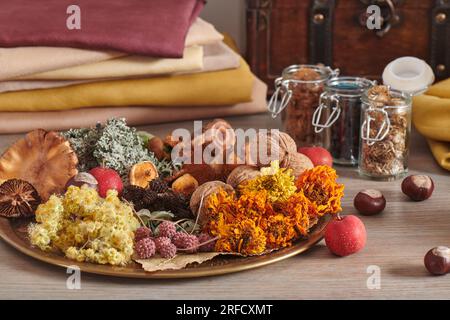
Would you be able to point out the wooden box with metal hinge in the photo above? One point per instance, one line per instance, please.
(344, 34)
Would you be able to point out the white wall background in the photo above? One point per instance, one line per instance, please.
(228, 16)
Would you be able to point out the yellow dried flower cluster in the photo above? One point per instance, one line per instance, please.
(279, 183)
(86, 227)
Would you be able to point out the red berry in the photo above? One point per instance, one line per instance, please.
(145, 248)
(142, 233)
(107, 179)
(345, 236)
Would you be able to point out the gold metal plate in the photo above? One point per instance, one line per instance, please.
(14, 232)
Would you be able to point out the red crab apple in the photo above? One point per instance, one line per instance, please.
(345, 235)
(318, 155)
(107, 179)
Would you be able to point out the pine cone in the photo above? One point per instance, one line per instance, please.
(158, 185)
(135, 195)
(149, 198)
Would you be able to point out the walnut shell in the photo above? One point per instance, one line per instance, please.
(205, 190)
(242, 174)
(297, 162)
(277, 142)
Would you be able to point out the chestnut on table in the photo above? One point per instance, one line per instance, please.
(397, 241)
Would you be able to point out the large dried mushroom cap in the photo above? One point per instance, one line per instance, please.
(18, 199)
(44, 159)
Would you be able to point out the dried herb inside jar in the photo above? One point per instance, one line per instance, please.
(389, 156)
(299, 111)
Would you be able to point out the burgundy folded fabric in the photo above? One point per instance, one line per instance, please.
(147, 27)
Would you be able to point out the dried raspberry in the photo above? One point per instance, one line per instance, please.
(185, 241)
(141, 233)
(167, 229)
(165, 248)
(145, 248)
(206, 244)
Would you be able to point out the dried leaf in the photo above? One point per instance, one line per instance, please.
(180, 261)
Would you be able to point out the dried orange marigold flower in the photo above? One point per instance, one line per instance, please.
(319, 185)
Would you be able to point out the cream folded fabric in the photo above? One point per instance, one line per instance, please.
(216, 57)
(22, 61)
(17, 122)
(201, 89)
(129, 66)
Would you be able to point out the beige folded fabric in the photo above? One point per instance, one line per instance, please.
(216, 57)
(22, 61)
(129, 66)
(17, 122)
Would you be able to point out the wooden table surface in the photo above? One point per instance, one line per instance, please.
(397, 241)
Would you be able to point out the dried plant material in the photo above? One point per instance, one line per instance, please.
(180, 261)
(44, 159)
(242, 174)
(18, 199)
(306, 90)
(297, 162)
(186, 184)
(387, 157)
(200, 196)
(156, 145)
(204, 172)
(142, 173)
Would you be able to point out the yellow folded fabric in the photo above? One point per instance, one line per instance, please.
(17, 122)
(129, 66)
(441, 152)
(431, 117)
(203, 89)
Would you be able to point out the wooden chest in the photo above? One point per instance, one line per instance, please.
(336, 33)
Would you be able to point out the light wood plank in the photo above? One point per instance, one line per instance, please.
(397, 242)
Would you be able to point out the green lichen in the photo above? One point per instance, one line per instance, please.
(114, 145)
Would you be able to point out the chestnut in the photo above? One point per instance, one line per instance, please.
(369, 202)
(418, 187)
(437, 260)
(81, 179)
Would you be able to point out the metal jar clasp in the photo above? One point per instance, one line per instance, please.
(326, 102)
(382, 132)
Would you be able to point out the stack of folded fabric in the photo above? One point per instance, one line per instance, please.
(149, 61)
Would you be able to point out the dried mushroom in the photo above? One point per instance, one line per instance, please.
(44, 159)
(18, 199)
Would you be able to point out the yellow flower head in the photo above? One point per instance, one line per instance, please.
(279, 183)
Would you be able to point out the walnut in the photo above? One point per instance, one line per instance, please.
(277, 142)
(204, 191)
(298, 162)
(242, 174)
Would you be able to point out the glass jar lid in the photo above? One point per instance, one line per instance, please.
(349, 86)
(308, 73)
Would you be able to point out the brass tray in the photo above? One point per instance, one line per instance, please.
(14, 232)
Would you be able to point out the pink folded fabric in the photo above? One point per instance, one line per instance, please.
(152, 27)
(18, 122)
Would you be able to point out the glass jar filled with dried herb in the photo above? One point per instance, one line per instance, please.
(342, 101)
(297, 94)
(385, 133)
